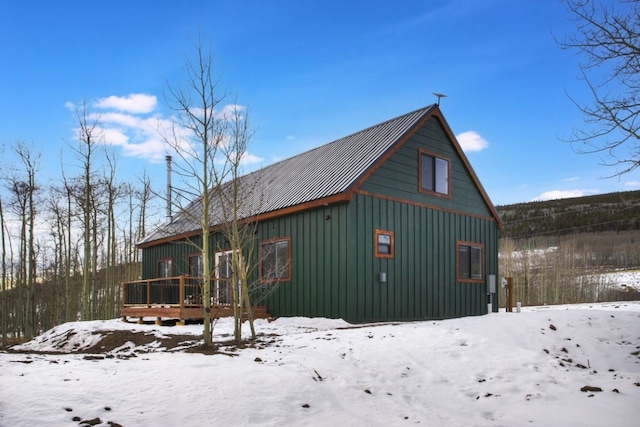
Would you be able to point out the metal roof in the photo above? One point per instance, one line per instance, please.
(323, 172)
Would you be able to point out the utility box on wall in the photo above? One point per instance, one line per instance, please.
(491, 292)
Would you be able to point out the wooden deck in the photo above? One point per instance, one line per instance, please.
(177, 298)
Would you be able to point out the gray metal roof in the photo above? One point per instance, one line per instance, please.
(323, 172)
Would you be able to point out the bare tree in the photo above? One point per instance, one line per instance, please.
(608, 38)
(88, 136)
(238, 199)
(24, 189)
(226, 200)
(5, 314)
(196, 136)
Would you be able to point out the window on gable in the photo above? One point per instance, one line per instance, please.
(434, 174)
(384, 244)
(470, 261)
(275, 260)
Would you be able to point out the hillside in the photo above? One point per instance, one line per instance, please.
(603, 212)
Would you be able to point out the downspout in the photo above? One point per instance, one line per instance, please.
(169, 216)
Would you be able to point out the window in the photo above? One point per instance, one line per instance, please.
(434, 174)
(470, 261)
(195, 266)
(165, 268)
(384, 244)
(275, 260)
(224, 275)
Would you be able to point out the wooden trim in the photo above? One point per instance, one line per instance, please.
(158, 261)
(424, 205)
(433, 112)
(377, 254)
(421, 152)
(290, 262)
(469, 244)
(336, 198)
(391, 151)
(438, 115)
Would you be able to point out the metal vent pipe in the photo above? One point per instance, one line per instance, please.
(169, 216)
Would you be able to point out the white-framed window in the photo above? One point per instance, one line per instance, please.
(222, 291)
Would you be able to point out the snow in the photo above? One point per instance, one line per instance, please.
(629, 279)
(501, 369)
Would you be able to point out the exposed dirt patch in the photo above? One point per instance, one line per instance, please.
(116, 339)
(122, 341)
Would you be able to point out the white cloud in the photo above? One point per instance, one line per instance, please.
(126, 122)
(136, 103)
(632, 184)
(561, 194)
(251, 159)
(572, 178)
(112, 136)
(472, 141)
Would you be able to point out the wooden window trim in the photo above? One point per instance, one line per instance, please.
(287, 278)
(170, 259)
(377, 253)
(482, 265)
(192, 255)
(421, 152)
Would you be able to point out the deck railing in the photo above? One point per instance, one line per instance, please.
(182, 291)
(178, 297)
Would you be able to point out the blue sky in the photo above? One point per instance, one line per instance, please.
(309, 72)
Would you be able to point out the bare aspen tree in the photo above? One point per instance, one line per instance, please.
(5, 306)
(71, 302)
(24, 189)
(196, 136)
(238, 199)
(57, 234)
(113, 193)
(88, 136)
(608, 39)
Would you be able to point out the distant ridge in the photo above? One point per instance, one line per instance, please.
(617, 212)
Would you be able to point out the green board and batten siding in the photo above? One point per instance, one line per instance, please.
(334, 270)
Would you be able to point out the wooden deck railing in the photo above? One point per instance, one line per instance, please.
(177, 297)
(182, 291)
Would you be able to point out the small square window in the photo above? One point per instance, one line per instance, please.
(384, 244)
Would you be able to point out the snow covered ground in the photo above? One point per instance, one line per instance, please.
(502, 369)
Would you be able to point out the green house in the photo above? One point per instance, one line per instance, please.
(387, 224)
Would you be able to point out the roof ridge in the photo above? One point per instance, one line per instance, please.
(369, 128)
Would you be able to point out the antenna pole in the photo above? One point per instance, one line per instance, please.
(439, 95)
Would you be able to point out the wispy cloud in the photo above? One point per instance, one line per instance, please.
(134, 124)
(632, 184)
(562, 194)
(472, 141)
(135, 103)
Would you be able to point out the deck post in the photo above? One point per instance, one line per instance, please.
(182, 292)
(149, 293)
(123, 292)
(181, 322)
